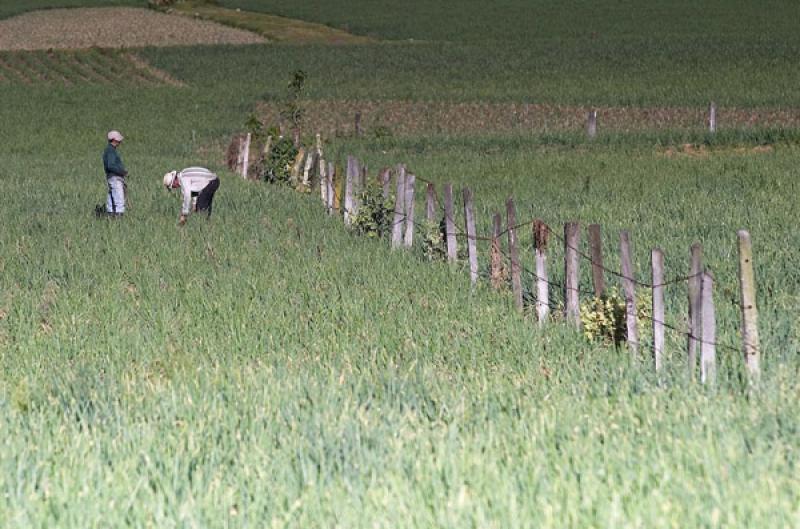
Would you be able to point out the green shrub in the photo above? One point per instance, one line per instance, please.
(603, 318)
(375, 213)
(277, 164)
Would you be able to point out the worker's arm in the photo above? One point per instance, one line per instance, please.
(186, 206)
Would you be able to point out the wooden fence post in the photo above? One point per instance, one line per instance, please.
(572, 309)
(496, 264)
(596, 253)
(472, 247)
(408, 240)
(430, 203)
(708, 354)
(246, 156)
(307, 169)
(449, 223)
(357, 124)
(513, 250)
(657, 262)
(349, 202)
(294, 176)
(630, 294)
(323, 182)
(591, 123)
(747, 288)
(540, 236)
(386, 182)
(399, 210)
(712, 117)
(331, 191)
(695, 305)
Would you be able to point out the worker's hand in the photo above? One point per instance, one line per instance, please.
(182, 220)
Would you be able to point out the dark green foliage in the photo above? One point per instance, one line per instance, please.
(278, 162)
(375, 214)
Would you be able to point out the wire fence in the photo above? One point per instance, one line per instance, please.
(354, 183)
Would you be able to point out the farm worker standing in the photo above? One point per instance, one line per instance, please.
(115, 175)
(194, 182)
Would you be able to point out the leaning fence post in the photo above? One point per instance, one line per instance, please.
(591, 123)
(630, 294)
(430, 203)
(540, 235)
(596, 253)
(747, 287)
(472, 247)
(708, 361)
(516, 275)
(246, 156)
(496, 264)
(712, 117)
(399, 210)
(408, 240)
(352, 168)
(571, 264)
(695, 305)
(449, 223)
(657, 262)
(294, 176)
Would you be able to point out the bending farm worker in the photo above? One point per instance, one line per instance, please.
(115, 175)
(195, 183)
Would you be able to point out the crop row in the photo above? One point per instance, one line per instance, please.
(94, 66)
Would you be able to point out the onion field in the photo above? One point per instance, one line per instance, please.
(270, 368)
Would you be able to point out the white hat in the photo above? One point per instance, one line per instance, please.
(114, 135)
(169, 178)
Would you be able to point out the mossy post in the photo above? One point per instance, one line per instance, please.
(572, 309)
(496, 262)
(629, 287)
(399, 209)
(408, 238)
(708, 348)
(695, 305)
(540, 236)
(472, 247)
(596, 252)
(449, 224)
(657, 263)
(513, 250)
(747, 287)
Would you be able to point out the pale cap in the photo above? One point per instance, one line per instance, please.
(169, 178)
(114, 135)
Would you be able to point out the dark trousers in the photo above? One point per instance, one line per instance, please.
(206, 197)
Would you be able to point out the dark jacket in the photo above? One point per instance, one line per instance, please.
(112, 163)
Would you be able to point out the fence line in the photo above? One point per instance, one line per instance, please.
(702, 325)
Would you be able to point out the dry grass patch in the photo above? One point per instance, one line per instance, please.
(113, 27)
(274, 28)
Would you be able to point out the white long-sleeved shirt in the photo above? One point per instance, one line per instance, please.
(193, 180)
